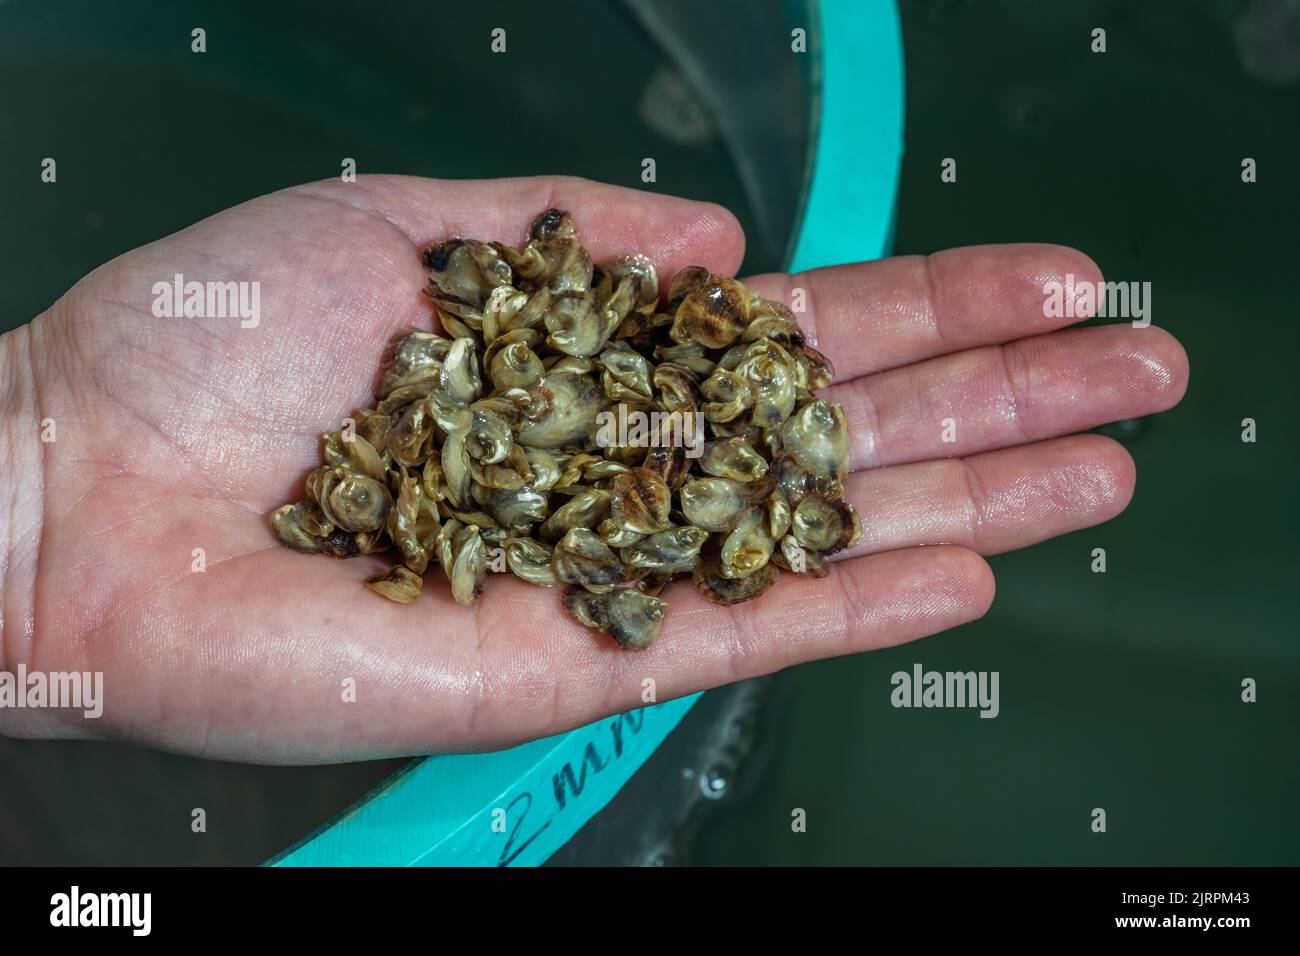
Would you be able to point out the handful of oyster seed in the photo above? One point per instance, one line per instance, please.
(577, 431)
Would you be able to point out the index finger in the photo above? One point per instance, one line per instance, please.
(872, 316)
(612, 220)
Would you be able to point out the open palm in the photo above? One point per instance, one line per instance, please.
(177, 434)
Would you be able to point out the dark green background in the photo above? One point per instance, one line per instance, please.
(1118, 690)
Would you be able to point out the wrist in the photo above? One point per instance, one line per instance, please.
(22, 494)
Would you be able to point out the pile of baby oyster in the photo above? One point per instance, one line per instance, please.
(577, 429)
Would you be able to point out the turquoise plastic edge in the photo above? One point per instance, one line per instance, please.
(849, 214)
(516, 807)
(510, 808)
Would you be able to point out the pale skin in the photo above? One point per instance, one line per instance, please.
(184, 433)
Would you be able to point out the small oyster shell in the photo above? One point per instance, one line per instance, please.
(714, 504)
(640, 501)
(683, 284)
(825, 525)
(413, 525)
(627, 374)
(468, 565)
(792, 556)
(414, 359)
(733, 458)
(410, 437)
(640, 268)
(729, 591)
(530, 560)
(670, 552)
(517, 507)
(770, 372)
(292, 528)
(615, 535)
(576, 326)
(459, 376)
(748, 547)
(354, 502)
(516, 365)
(400, 584)
(713, 313)
(817, 438)
(630, 617)
(568, 404)
(583, 510)
(582, 558)
(689, 355)
(727, 396)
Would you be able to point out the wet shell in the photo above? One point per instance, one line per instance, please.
(414, 359)
(530, 560)
(503, 304)
(400, 584)
(729, 591)
(714, 504)
(413, 525)
(627, 374)
(468, 565)
(457, 479)
(576, 326)
(640, 501)
(669, 462)
(582, 558)
(684, 283)
(726, 396)
(713, 313)
(825, 525)
(459, 375)
(553, 224)
(733, 458)
(583, 510)
(671, 552)
(410, 437)
(748, 547)
(689, 355)
(516, 365)
(817, 438)
(818, 371)
(518, 507)
(630, 617)
(616, 536)
(677, 387)
(294, 530)
(568, 404)
(641, 269)
(354, 502)
(770, 372)
(545, 469)
(463, 271)
(792, 556)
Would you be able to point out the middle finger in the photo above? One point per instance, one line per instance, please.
(1003, 395)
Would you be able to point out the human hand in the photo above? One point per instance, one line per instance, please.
(180, 433)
